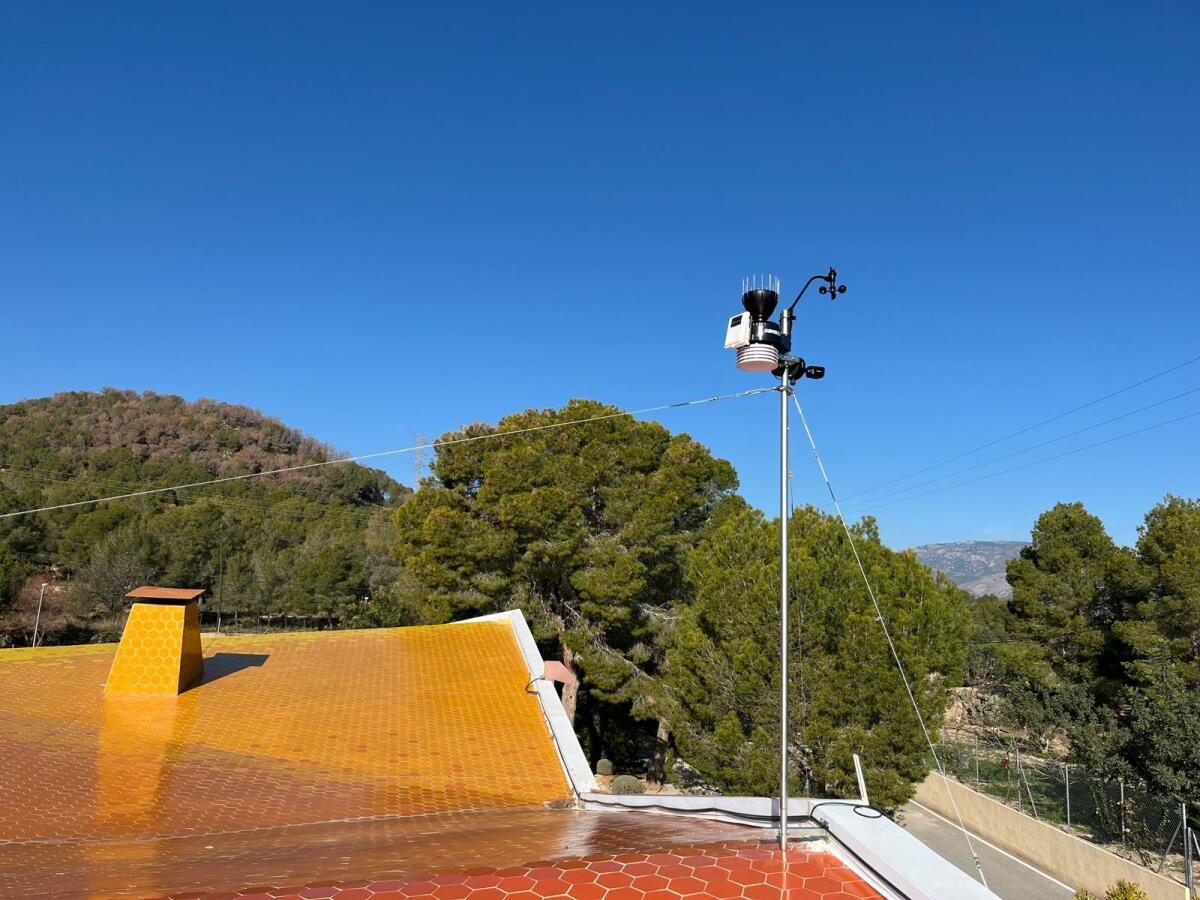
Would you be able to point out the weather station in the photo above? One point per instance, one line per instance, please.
(766, 346)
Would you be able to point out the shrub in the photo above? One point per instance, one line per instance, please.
(1083, 894)
(604, 767)
(1124, 890)
(627, 784)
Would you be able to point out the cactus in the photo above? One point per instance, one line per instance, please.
(604, 767)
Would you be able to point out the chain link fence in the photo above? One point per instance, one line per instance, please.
(1150, 830)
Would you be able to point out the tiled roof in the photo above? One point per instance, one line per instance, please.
(401, 762)
(284, 730)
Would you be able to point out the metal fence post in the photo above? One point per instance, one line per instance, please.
(1171, 843)
(1191, 860)
(38, 620)
(1188, 869)
(1067, 775)
(1187, 850)
(1021, 776)
(1122, 782)
(978, 783)
(1017, 766)
(1029, 788)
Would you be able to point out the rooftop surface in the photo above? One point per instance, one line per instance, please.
(406, 761)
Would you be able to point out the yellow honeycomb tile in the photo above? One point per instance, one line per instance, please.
(281, 731)
(159, 651)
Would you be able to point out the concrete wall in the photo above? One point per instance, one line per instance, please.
(1068, 858)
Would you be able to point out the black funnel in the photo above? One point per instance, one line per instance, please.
(760, 303)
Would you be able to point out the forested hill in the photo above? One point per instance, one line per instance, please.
(118, 433)
(270, 541)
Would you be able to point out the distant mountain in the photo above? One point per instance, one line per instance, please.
(976, 566)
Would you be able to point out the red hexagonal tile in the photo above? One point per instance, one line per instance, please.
(589, 891)
(822, 885)
(612, 880)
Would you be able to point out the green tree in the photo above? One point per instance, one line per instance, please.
(1153, 729)
(1102, 644)
(585, 528)
(1068, 588)
(11, 570)
(89, 529)
(1061, 588)
(192, 539)
(1161, 744)
(330, 583)
(1167, 620)
(846, 694)
(25, 534)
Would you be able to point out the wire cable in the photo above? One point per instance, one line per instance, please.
(1028, 428)
(466, 439)
(1037, 446)
(888, 636)
(1036, 462)
(348, 513)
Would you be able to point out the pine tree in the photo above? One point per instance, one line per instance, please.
(846, 694)
(584, 528)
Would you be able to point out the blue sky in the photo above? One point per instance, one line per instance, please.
(381, 220)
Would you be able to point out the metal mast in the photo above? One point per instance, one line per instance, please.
(764, 346)
(784, 391)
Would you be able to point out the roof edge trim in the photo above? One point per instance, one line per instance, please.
(897, 856)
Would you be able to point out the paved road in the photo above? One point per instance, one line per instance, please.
(1007, 876)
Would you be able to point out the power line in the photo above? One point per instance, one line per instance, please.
(347, 512)
(1053, 440)
(888, 636)
(1036, 462)
(331, 462)
(1021, 431)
